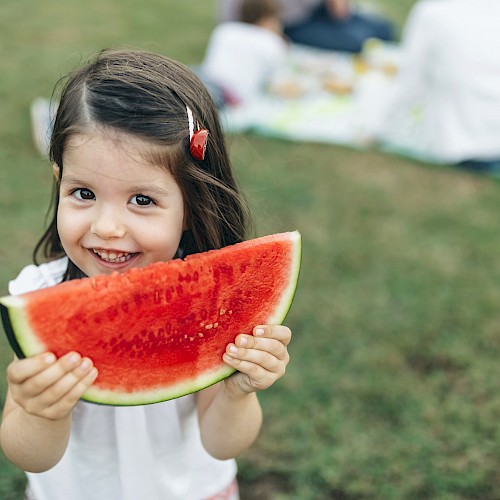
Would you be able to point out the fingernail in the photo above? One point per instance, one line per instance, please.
(74, 358)
(259, 331)
(233, 349)
(49, 358)
(85, 365)
(243, 341)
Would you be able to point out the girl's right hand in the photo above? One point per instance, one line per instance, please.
(48, 387)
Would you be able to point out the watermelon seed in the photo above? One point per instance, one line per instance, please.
(216, 325)
(222, 312)
(200, 334)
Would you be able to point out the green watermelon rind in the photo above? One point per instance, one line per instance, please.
(14, 319)
(283, 307)
(115, 398)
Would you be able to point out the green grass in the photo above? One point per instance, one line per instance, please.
(392, 390)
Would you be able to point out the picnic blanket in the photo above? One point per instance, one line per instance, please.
(322, 96)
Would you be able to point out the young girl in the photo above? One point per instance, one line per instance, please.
(138, 180)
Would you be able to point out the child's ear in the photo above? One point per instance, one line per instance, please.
(56, 170)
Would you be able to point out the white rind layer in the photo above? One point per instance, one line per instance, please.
(285, 303)
(28, 342)
(144, 397)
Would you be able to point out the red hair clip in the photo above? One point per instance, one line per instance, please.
(197, 140)
(198, 144)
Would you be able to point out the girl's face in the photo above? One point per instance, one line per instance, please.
(115, 210)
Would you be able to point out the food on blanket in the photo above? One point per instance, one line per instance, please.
(289, 86)
(289, 90)
(390, 69)
(338, 86)
(360, 66)
(159, 332)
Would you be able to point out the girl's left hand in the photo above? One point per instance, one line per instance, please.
(261, 359)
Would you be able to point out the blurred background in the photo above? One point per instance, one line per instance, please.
(392, 391)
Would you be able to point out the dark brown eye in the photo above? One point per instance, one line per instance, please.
(84, 194)
(140, 199)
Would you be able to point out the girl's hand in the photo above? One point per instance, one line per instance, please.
(48, 387)
(260, 359)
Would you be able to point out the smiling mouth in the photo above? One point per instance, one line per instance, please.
(111, 256)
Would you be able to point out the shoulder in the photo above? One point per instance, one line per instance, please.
(424, 23)
(35, 277)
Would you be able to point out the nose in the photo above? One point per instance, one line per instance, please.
(108, 222)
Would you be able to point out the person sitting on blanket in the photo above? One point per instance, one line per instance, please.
(326, 24)
(446, 105)
(241, 55)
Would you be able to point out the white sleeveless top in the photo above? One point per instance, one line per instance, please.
(151, 452)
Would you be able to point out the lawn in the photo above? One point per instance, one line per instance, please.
(392, 391)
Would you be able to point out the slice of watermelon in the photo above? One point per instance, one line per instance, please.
(159, 332)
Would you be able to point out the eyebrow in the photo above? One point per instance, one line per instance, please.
(150, 189)
(134, 188)
(70, 180)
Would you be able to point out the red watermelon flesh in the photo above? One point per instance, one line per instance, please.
(159, 332)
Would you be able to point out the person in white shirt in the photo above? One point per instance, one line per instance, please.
(446, 105)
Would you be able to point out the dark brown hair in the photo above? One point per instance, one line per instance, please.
(145, 94)
(253, 11)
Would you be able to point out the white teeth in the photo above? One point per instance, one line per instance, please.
(112, 256)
